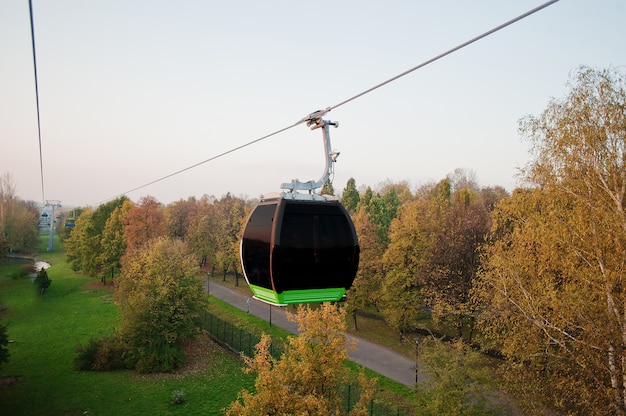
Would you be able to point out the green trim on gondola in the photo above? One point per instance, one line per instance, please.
(289, 297)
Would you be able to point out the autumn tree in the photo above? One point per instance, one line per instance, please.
(7, 200)
(177, 217)
(458, 381)
(114, 240)
(367, 286)
(306, 378)
(553, 288)
(432, 257)
(65, 232)
(161, 300)
(18, 218)
(401, 192)
(231, 214)
(406, 262)
(21, 226)
(144, 222)
(460, 228)
(201, 231)
(80, 246)
(491, 195)
(463, 179)
(84, 245)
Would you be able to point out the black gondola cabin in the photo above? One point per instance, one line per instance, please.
(299, 251)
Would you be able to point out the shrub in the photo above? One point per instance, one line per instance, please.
(105, 354)
(23, 272)
(157, 358)
(86, 354)
(4, 342)
(113, 354)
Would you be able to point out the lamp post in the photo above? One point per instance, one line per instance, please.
(417, 340)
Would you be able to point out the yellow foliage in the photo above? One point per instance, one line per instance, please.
(305, 380)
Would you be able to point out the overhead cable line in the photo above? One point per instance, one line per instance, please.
(448, 52)
(32, 35)
(205, 161)
(320, 113)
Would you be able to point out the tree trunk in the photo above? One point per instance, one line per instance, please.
(459, 327)
(614, 382)
(356, 328)
(624, 360)
(618, 392)
(470, 332)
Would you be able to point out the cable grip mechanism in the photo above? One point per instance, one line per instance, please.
(314, 121)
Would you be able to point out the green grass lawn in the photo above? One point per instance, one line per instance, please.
(45, 332)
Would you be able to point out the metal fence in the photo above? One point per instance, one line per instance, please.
(241, 341)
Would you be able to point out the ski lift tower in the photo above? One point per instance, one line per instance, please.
(52, 205)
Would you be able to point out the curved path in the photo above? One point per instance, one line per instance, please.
(379, 359)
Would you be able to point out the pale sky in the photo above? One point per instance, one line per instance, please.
(131, 91)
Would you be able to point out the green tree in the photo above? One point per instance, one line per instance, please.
(383, 207)
(328, 188)
(161, 300)
(42, 281)
(350, 196)
(553, 288)
(306, 378)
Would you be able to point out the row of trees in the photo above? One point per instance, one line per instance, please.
(210, 228)
(18, 220)
(537, 275)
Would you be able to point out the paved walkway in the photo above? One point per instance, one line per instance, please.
(379, 359)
